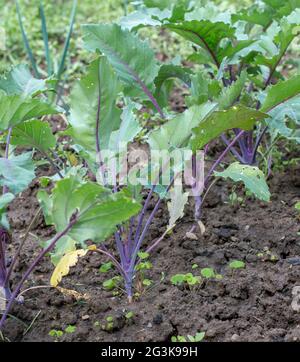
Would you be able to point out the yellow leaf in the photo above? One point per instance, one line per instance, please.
(92, 247)
(63, 267)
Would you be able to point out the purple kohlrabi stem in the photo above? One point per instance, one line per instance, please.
(33, 265)
(220, 158)
(3, 269)
(232, 149)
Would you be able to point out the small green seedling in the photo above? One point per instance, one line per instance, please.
(112, 283)
(237, 264)
(197, 338)
(195, 266)
(208, 273)
(109, 324)
(129, 315)
(189, 278)
(70, 329)
(56, 333)
(106, 267)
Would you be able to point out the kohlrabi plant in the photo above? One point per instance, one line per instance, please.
(127, 168)
(239, 61)
(80, 209)
(146, 163)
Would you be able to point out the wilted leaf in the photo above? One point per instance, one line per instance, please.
(176, 205)
(63, 267)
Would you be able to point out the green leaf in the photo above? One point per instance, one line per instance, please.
(99, 211)
(35, 133)
(286, 119)
(144, 17)
(14, 110)
(178, 279)
(132, 58)
(62, 247)
(280, 93)
(106, 267)
(5, 200)
(46, 204)
(251, 176)
(206, 34)
(20, 81)
(219, 121)
(177, 131)
(70, 329)
(167, 71)
(93, 97)
(128, 130)
(207, 273)
(231, 93)
(237, 264)
(17, 172)
(199, 336)
(202, 89)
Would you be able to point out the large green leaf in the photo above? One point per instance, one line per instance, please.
(20, 81)
(17, 172)
(133, 59)
(98, 210)
(280, 93)
(14, 109)
(251, 176)
(218, 122)
(93, 106)
(35, 133)
(176, 132)
(206, 34)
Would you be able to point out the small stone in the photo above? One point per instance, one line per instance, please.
(235, 337)
(158, 319)
(85, 317)
(149, 325)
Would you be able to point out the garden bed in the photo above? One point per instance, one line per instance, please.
(251, 304)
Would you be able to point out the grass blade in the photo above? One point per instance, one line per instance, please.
(45, 38)
(26, 42)
(67, 42)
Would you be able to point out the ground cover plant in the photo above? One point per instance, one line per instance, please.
(125, 153)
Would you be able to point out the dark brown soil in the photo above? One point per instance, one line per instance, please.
(251, 304)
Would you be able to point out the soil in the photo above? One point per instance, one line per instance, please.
(250, 304)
